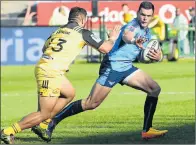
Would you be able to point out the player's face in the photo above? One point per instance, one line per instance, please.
(125, 9)
(145, 16)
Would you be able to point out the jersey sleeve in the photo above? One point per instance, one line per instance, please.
(131, 27)
(91, 39)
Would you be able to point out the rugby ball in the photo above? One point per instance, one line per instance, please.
(152, 44)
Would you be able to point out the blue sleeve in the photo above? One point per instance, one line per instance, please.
(131, 26)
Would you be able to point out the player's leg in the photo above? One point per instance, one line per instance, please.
(107, 79)
(67, 93)
(47, 104)
(96, 97)
(47, 100)
(142, 81)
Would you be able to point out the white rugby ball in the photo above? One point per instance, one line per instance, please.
(152, 44)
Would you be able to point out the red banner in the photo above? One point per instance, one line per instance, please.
(112, 10)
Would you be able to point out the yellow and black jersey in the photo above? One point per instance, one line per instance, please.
(62, 47)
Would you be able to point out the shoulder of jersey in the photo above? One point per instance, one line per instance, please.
(133, 23)
(78, 29)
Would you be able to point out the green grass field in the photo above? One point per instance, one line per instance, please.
(120, 118)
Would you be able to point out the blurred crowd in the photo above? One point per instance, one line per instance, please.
(183, 30)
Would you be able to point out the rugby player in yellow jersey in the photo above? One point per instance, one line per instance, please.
(54, 89)
(157, 27)
(127, 17)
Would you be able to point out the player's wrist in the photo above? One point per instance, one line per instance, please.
(112, 40)
(133, 41)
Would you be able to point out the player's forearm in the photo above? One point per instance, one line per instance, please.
(106, 46)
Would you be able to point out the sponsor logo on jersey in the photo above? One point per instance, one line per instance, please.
(97, 39)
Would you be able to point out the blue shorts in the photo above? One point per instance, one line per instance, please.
(109, 77)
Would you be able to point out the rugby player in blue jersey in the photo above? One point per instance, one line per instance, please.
(117, 67)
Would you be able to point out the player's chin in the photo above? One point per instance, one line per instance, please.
(144, 25)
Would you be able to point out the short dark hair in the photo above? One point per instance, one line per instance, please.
(75, 12)
(124, 5)
(146, 5)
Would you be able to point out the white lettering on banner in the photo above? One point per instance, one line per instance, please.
(167, 18)
(105, 12)
(111, 16)
(19, 46)
(4, 48)
(17, 43)
(114, 16)
(166, 13)
(35, 49)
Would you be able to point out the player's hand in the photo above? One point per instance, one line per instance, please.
(113, 35)
(155, 54)
(139, 42)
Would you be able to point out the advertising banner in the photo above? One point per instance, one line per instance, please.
(23, 45)
(112, 10)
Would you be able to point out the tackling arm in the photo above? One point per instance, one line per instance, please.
(99, 44)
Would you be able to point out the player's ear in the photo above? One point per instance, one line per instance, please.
(83, 20)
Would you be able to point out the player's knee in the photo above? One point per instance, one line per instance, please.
(155, 91)
(69, 94)
(92, 105)
(95, 105)
(72, 94)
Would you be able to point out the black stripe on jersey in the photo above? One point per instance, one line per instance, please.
(45, 84)
(91, 39)
(73, 25)
(87, 35)
(78, 28)
(15, 130)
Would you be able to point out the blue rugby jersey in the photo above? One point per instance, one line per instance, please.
(122, 54)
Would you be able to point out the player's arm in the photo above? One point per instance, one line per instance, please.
(98, 43)
(153, 22)
(128, 37)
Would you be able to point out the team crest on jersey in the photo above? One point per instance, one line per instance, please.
(56, 91)
(97, 39)
(131, 28)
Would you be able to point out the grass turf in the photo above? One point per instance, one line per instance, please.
(119, 119)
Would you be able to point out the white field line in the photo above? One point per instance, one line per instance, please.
(167, 93)
(124, 93)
